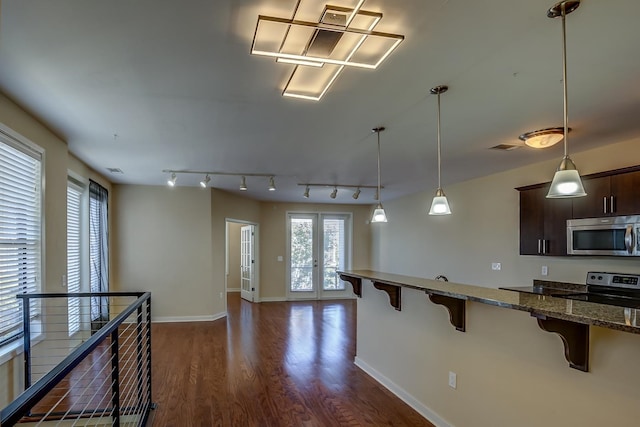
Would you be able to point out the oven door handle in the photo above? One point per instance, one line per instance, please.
(628, 239)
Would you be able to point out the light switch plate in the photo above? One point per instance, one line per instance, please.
(496, 266)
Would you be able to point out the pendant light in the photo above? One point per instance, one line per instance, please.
(566, 181)
(440, 204)
(378, 214)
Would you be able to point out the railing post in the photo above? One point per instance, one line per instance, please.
(139, 360)
(150, 401)
(26, 336)
(115, 379)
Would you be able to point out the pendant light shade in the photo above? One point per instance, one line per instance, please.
(379, 214)
(566, 181)
(439, 204)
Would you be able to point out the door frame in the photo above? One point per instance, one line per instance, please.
(256, 252)
(318, 294)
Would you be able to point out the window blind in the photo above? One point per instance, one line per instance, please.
(74, 220)
(20, 232)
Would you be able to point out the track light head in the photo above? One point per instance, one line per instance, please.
(205, 181)
(334, 193)
(243, 184)
(306, 192)
(272, 184)
(172, 181)
(356, 194)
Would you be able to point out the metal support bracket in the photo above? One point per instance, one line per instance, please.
(455, 307)
(575, 337)
(356, 283)
(393, 291)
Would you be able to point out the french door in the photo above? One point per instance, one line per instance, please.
(247, 262)
(319, 245)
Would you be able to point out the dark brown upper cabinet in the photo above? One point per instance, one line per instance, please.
(609, 195)
(543, 222)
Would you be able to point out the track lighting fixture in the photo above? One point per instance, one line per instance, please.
(379, 214)
(205, 181)
(566, 181)
(440, 204)
(172, 181)
(356, 188)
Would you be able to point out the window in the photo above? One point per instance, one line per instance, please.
(98, 250)
(74, 254)
(20, 232)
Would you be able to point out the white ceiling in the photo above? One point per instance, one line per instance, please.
(175, 81)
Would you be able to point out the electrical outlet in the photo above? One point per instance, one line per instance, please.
(496, 266)
(545, 270)
(280, 258)
(221, 295)
(453, 380)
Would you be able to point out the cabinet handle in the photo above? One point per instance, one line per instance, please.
(544, 246)
(611, 199)
(539, 246)
(604, 204)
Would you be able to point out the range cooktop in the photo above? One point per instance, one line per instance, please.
(622, 290)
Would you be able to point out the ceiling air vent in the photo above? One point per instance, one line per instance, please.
(115, 170)
(505, 147)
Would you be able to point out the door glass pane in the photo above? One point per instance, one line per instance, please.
(301, 254)
(334, 256)
(246, 255)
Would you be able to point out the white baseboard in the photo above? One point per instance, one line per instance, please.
(233, 290)
(272, 299)
(407, 398)
(181, 319)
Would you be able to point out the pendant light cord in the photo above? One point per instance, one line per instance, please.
(379, 195)
(564, 78)
(439, 155)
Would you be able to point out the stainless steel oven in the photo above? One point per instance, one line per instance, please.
(614, 236)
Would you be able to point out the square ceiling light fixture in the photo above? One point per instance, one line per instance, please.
(342, 37)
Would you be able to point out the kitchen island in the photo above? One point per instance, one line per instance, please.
(496, 367)
(568, 318)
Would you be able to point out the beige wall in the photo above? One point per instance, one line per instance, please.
(510, 372)
(57, 162)
(163, 241)
(148, 221)
(233, 273)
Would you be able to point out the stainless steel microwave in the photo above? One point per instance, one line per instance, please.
(614, 236)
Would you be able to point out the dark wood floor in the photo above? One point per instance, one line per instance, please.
(269, 364)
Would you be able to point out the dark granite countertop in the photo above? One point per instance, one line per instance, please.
(607, 316)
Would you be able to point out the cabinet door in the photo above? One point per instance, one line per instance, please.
(531, 220)
(593, 204)
(556, 214)
(625, 189)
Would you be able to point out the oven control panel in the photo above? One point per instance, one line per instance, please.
(613, 279)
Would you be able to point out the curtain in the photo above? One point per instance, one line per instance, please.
(99, 249)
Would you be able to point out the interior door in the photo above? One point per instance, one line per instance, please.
(319, 246)
(247, 262)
